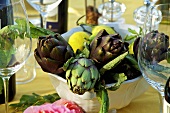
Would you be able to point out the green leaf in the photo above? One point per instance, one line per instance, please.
(112, 63)
(133, 61)
(132, 31)
(134, 34)
(34, 99)
(130, 37)
(103, 98)
(36, 32)
(22, 22)
(120, 78)
(6, 53)
(1, 85)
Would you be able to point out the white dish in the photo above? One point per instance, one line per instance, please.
(88, 101)
(117, 99)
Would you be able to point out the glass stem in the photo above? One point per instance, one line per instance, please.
(43, 21)
(6, 84)
(161, 101)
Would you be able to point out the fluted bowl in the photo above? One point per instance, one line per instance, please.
(88, 101)
(118, 99)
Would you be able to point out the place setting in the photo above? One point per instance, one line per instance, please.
(102, 65)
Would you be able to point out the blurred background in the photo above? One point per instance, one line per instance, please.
(76, 9)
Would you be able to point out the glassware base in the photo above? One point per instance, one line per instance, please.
(28, 72)
(113, 111)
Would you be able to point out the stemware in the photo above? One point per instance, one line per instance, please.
(15, 41)
(44, 7)
(154, 51)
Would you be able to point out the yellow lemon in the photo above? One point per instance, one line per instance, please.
(77, 40)
(96, 29)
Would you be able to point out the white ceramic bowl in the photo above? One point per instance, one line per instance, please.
(117, 99)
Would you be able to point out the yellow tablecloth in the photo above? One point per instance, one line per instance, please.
(146, 103)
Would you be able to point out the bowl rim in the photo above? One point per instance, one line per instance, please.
(125, 82)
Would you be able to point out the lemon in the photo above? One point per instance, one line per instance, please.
(96, 30)
(77, 40)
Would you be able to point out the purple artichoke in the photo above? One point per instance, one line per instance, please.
(52, 52)
(136, 46)
(105, 47)
(155, 45)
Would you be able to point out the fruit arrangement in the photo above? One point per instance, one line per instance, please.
(89, 61)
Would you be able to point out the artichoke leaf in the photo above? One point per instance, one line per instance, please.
(85, 63)
(88, 85)
(86, 76)
(68, 74)
(73, 81)
(66, 65)
(94, 73)
(133, 61)
(77, 72)
(102, 96)
(120, 78)
(85, 52)
(112, 63)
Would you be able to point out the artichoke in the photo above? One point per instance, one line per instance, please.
(82, 75)
(125, 67)
(135, 47)
(155, 45)
(105, 47)
(52, 52)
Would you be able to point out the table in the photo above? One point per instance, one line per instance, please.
(146, 103)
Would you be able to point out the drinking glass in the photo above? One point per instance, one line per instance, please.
(154, 51)
(44, 7)
(15, 41)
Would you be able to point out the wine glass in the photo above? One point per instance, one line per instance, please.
(44, 7)
(154, 48)
(15, 41)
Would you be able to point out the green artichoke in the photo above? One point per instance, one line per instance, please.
(105, 47)
(52, 52)
(155, 45)
(82, 75)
